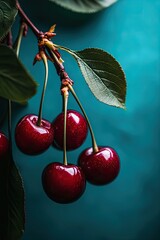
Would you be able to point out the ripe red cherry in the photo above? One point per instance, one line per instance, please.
(63, 183)
(100, 167)
(4, 144)
(31, 138)
(76, 130)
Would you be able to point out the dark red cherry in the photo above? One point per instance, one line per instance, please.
(63, 183)
(76, 130)
(100, 167)
(31, 138)
(4, 144)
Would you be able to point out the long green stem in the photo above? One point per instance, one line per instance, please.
(18, 41)
(65, 103)
(44, 89)
(17, 48)
(94, 144)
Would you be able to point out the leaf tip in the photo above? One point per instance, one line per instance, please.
(124, 107)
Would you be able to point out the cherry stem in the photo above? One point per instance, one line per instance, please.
(65, 103)
(94, 144)
(60, 69)
(59, 66)
(44, 89)
(18, 41)
(37, 33)
(27, 20)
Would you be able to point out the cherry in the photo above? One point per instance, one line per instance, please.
(4, 144)
(99, 167)
(31, 138)
(63, 183)
(76, 130)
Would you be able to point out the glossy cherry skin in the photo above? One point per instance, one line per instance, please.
(76, 130)
(31, 138)
(63, 183)
(101, 167)
(4, 145)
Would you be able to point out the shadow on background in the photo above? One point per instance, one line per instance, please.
(50, 13)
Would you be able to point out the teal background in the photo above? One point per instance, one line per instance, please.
(128, 208)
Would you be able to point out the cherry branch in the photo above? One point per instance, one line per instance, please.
(39, 34)
(28, 21)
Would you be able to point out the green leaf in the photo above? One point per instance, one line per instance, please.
(84, 6)
(103, 75)
(8, 12)
(15, 82)
(11, 200)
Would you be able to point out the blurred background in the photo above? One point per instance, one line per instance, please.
(129, 207)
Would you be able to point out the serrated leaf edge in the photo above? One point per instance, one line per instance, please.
(73, 53)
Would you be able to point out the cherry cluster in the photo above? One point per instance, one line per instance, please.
(63, 182)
